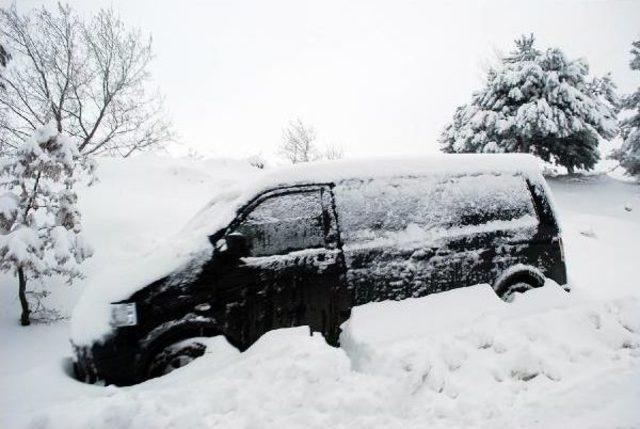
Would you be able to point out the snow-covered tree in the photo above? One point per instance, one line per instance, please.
(537, 102)
(299, 145)
(629, 153)
(89, 75)
(298, 142)
(4, 58)
(39, 221)
(332, 152)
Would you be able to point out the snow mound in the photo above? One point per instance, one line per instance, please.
(457, 359)
(468, 347)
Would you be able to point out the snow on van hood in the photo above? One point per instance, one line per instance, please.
(90, 321)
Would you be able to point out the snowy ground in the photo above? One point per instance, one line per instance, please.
(459, 359)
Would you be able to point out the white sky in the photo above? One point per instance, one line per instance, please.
(375, 77)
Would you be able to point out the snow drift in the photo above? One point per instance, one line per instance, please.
(457, 359)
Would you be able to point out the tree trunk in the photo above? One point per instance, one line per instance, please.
(523, 146)
(22, 293)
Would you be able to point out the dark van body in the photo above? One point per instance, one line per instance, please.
(305, 254)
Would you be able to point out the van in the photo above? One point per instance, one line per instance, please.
(303, 245)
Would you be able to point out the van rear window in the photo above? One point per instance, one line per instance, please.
(368, 209)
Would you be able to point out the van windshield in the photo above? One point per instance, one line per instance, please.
(369, 209)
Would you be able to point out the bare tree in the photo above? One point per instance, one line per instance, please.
(4, 58)
(91, 78)
(298, 142)
(332, 152)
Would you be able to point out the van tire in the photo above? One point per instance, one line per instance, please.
(520, 281)
(175, 356)
(510, 291)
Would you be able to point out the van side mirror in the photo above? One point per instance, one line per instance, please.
(237, 245)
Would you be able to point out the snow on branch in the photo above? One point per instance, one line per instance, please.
(538, 102)
(90, 77)
(40, 229)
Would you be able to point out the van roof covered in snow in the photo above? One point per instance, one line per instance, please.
(222, 209)
(439, 165)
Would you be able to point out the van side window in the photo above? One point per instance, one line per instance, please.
(376, 208)
(285, 223)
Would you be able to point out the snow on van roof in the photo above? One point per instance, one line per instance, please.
(440, 165)
(222, 209)
(91, 315)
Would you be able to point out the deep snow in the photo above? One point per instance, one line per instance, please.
(458, 359)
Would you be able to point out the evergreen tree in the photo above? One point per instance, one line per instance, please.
(537, 102)
(39, 221)
(629, 153)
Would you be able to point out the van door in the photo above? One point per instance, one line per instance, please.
(381, 224)
(294, 273)
(411, 236)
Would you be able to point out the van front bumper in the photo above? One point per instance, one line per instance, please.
(108, 362)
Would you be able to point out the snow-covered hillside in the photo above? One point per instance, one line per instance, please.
(458, 359)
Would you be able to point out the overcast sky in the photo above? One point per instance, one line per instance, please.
(377, 77)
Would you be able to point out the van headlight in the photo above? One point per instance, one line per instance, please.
(124, 314)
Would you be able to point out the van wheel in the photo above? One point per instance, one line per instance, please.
(175, 356)
(516, 280)
(509, 292)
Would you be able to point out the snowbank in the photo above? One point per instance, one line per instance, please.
(458, 359)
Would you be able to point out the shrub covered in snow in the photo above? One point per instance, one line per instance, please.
(39, 222)
(629, 152)
(538, 102)
(257, 161)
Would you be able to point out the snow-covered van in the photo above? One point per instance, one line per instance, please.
(303, 245)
